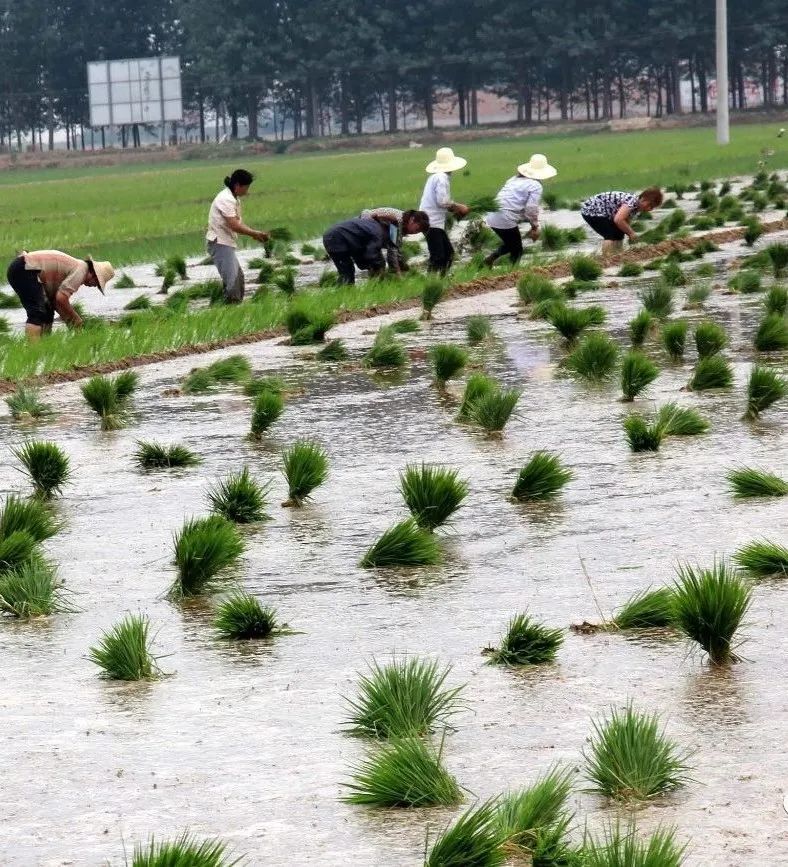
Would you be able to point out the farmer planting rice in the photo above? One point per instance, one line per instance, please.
(398, 224)
(356, 242)
(45, 280)
(436, 202)
(224, 224)
(518, 201)
(609, 214)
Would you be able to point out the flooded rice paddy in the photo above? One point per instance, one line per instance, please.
(245, 741)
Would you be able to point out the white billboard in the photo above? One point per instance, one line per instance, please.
(145, 90)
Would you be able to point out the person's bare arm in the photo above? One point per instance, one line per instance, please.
(242, 229)
(622, 222)
(66, 311)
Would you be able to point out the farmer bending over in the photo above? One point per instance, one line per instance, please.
(436, 202)
(398, 224)
(356, 242)
(224, 223)
(45, 280)
(609, 214)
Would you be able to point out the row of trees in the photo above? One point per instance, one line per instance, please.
(322, 66)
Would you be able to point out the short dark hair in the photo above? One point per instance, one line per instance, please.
(239, 178)
(419, 217)
(653, 195)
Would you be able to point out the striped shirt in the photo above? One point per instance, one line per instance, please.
(58, 272)
(608, 204)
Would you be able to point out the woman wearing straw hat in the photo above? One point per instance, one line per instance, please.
(436, 202)
(45, 280)
(518, 201)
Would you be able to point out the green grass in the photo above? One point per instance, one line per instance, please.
(526, 643)
(108, 397)
(642, 436)
(239, 498)
(184, 851)
(266, 409)
(710, 339)
(708, 607)
(123, 653)
(657, 299)
(711, 372)
(31, 589)
(28, 516)
(637, 373)
(674, 338)
(241, 616)
(594, 358)
(405, 698)
(474, 840)
(477, 385)
(625, 848)
(432, 494)
(493, 409)
(763, 559)
(764, 388)
(25, 404)
(772, 333)
(403, 773)
(448, 362)
(682, 421)
(46, 465)
(751, 482)
(639, 327)
(478, 329)
(647, 610)
(630, 758)
(541, 478)
(157, 456)
(404, 544)
(204, 548)
(305, 467)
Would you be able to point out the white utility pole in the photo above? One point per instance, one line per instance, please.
(723, 122)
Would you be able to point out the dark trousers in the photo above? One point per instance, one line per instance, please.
(31, 293)
(345, 266)
(440, 250)
(511, 243)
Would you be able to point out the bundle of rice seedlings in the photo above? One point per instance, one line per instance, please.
(746, 282)
(682, 421)
(169, 277)
(585, 268)
(478, 384)
(751, 482)
(156, 456)
(544, 309)
(552, 846)
(672, 275)
(266, 270)
(404, 698)
(552, 237)
(474, 840)
(640, 326)
(524, 815)
(526, 643)
(405, 326)
(594, 358)
(307, 326)
(753, 229)
(674, 338)
(703, 247)
(141, 302)
(241, 616)
(31, 589)
(123, 653)
(16, 549)
(777, 300)
(108, 397)
(763, 559)
(25, 404)
(631, 759)
(267, 408)
(175, 263)
(619, 848)
(185, 851)
(709, 605)
(234, 368)
(239, 498)
(533, 287)
(630, 269)
(642, 436)
(647, 610)
(571, 321)
(403, 773)
(772, 333)
(637, 372)
(432, 494)
(491, 410)
(404, 544)
(658, 299)
(448, 362)
(674, 221)
(431, 294)
(334, 350)
(46, 465)
(258, 262)
(9, 301)
(764, 387)
(28, 516)
(204, 547)
(711, 372)
(386, 351)
(541, 478)
(305, 467)
(478, 329)
(697, 295)
(284, 281)
(198, 381)
(259, 384)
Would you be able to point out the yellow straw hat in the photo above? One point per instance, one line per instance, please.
(537, 168)
(446, 161)
(104, 272)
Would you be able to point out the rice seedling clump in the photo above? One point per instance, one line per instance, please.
(763, 559)
(157, 456)
(631, 759)
(405, 698)
(403, 773)
(404, 544)
(751, 482)
(46, 465)
(474, 840)
(571, 321)
(533, 287)
(448, 361)
(672, 274)
(772, 333)
(405, 326)
(432, 494)
(776, 300)
(594, 358)
(708, 607)
(478, 329)
(764, 388)
(123, 653)
(630, 269)
(640, 326)
(682, 421)
(711, 372)
(647, 610)
(141, 302)
(31, 589)
(642, 436)
(710, 339)
(334, 350)
(242, 617)
(239, 498)
(658, 300)
(526, 643)
(541, 478)
(478, 384)
(624, 848)
(674, 338)
(585, 268)
(108, 397)
(267, 407)
(25, 404)
(184, 851)
(492, 409)
(697, 295)
(305, 467)
(746, 282)
(28, 516)
(204, 547)
(386, 351)
(16, 549)
(431, 295)
(637, 372)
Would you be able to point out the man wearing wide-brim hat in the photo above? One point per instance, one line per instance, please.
(518, 202)
(45, 280)
(436, 202)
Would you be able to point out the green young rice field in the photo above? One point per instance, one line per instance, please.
(132, 214)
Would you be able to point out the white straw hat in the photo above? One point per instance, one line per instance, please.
(446, 161)
(537, 168)
(104, 272)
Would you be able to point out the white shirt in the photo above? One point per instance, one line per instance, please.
(223, 206)
(518, 201)
(436, 198)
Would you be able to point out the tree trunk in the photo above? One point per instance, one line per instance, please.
(392, 101)
(703, 85)
(233, 122)
(251, 114)
(202, 117)
(691, 69)
(474, 107)
(563, 96)
(429, 108)
(344, 106)
(676, 80)
(622, 96)
(461, 103)
(588, 100)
